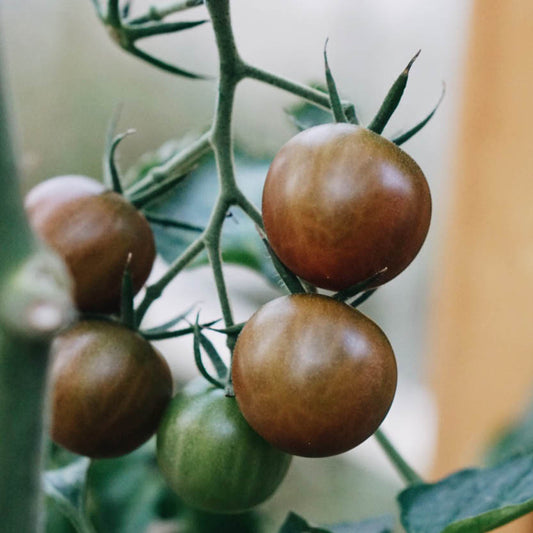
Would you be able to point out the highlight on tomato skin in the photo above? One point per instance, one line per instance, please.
(211, 457)
(109, 388)
(94, 230)
(341, 203)
(313, 376)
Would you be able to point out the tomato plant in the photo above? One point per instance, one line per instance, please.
(109, 388)
(211, 457)
(343, 209)
(95, 231)
(341, 203)
(313, 376)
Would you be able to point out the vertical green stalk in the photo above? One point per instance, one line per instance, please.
(28, 317)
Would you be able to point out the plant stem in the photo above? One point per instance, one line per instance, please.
(24, 346)
(153, 292)
(312, 95)
(155, 14)
(176, 165)
(405, 471)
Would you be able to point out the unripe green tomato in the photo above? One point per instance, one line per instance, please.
(312, 375)
(109, 389)
(341, 203)
(94, 231)
(211, 457)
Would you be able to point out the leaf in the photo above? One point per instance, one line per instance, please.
(305, 115)
(296, 524)
(473, 501)
(381, 524)
(128, 493)
(516, 439)
(192, 200)
(66, 488)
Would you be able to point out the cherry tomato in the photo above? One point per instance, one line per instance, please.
(94, 230)
(312, 375)
(211, 457)
(341, 203)
(109, 389)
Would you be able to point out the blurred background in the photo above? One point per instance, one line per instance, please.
(458, 317)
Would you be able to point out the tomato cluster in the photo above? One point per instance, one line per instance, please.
(109, 387)
(341, 204)
(312, 375)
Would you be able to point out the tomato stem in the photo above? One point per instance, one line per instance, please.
(403, 468)
(156, 14)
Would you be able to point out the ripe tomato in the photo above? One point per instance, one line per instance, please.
(109, 389)
(94, 230)
(312, 375)
(341, 203)
(211, 457)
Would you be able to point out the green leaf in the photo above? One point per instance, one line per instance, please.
(516, 439)
(306, 115)
(128, 494)
(66, 488)
(296, 524)
(473, 501)
(381, 524)
(192, 200)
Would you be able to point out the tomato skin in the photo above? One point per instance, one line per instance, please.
(312, 375)
(109, 389)
(211, 457)
(94, 230)
(341, 203)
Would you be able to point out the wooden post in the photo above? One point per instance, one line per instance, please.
(482, 320)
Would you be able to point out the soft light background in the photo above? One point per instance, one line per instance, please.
(67, 77)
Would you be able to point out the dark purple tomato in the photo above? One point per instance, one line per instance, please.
(313, 376)
(109, 389)
(94, 231)
(341, 203)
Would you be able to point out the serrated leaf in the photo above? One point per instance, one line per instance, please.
(66, 488)
(473, 501)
